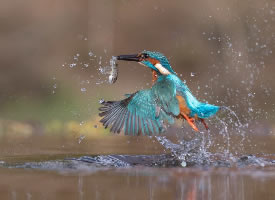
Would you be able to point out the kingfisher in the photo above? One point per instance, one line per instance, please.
(148, 111)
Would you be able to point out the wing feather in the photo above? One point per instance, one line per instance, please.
(142, 112)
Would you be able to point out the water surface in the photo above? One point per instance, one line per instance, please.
(115, 167)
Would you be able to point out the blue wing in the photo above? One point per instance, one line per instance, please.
(144, 111)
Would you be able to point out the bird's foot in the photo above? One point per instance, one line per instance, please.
(205, 125)
(190, 121)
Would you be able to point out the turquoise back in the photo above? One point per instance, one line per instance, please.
(202, 110)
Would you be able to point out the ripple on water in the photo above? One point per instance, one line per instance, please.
(87, 163)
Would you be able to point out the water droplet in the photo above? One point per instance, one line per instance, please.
(72, 65)
(101, 101)
(82, 137)
(91, 53)
(101, 70)
(183, 164)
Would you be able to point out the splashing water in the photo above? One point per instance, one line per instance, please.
(186, 151)
(196, 150)
(111, 70)
(232, 113)
(225, 132)
(107, 70)
(83, 89)
(81, 137)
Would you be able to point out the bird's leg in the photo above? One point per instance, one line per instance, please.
(190, 121)
(154, 76)
(184, 112)
(203, 122)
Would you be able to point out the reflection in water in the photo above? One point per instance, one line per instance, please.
(52, 171)
(80, 187)
(139, 183)
(128, 177)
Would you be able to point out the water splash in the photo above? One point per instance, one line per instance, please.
(196, 149)
(109, 72)
(186, 151)
(225, 132)
(106, 69)
(92, 163)
(232, 113)
(81, 138)
(83, 89)
(104, 161)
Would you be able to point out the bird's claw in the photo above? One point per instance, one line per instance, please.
(190, 122)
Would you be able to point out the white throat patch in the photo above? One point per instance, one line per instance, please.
(162, 69)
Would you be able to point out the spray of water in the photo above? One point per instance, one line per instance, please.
(226, 123)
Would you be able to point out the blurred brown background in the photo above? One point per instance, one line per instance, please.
(224, 49)
(51, 53)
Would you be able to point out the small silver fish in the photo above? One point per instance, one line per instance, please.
(114, 70)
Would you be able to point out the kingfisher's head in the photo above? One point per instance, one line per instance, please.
(154, 60)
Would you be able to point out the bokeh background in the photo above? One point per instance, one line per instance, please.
(52, 51)
(52, 55)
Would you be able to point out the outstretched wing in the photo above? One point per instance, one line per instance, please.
(142, 112)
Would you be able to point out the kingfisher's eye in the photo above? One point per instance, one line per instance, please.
(145, 55)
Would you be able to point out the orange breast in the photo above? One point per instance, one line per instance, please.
(183, 107)
(154, 76)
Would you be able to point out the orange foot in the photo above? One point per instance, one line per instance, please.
(190, 121)
(205, 125)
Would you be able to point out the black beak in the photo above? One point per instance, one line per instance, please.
(134, 57)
